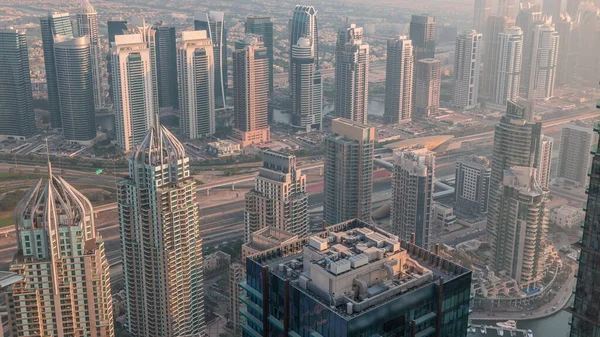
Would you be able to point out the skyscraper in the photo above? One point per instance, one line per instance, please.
(51, 25)
(237, 274)
(483, 10)
(195, 68)
(428, 79)
(347, 262)
(567, 49)
(522, 224)
(544, 60)
(307, 95)
(496, 25)
(545, 161)
(304, 24)
(263, 26)
(587, 22)
(574, 155)
(134, 85)
(472, 181)
(75, 83)
(65, 290)
(517, 142)
(585, 308)
(528, 18)
(348, 171)
(412, 194)
(115, 27)
(279, 198)
(16, 103)
(509, 66)
(467, 58)
(422, 35)
(351, 74)
(160, 240)
(251, 91)
(87, 25)
(399, 80)
(140, 27)
(214, 23)
(166, 65)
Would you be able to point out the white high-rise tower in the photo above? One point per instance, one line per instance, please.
(195, 67)
(467, 60)
(134, 87)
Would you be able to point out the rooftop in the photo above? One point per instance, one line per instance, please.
(354, 267)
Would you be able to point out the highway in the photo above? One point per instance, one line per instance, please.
(224, 222)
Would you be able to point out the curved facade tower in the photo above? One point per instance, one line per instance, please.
(522, 225)
(517, 142)
(87, 25)
(57, 239)
(214, 23)
(160, 240)
(304, 24)
(74, 78)
(307, 96)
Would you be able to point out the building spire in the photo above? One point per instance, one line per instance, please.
(48, 160)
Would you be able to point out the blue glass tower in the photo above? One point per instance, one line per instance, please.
(353, 280)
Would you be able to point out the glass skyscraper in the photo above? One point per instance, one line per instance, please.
(51, 25)
(353, 280)
(586, 307)
(214, 23)
(16, 103)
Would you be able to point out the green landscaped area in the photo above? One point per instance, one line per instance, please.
(6, 176)
(6, 222)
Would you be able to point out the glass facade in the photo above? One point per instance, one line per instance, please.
(586, 309)
(437, 308)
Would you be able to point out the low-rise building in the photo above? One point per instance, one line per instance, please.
(216, 260)
(443, 217)
(223, 148)
(567, 216)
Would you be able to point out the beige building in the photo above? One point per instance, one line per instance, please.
(223, 148)
(567, 216)
(351, 74)
(279, 198)
(428, 79)
(65, 287)
(348, 171)
(160, 240)
(251, 91)
(517, 248)
(412, 194)
(545, 161)
(237, 274)
(574, 157)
